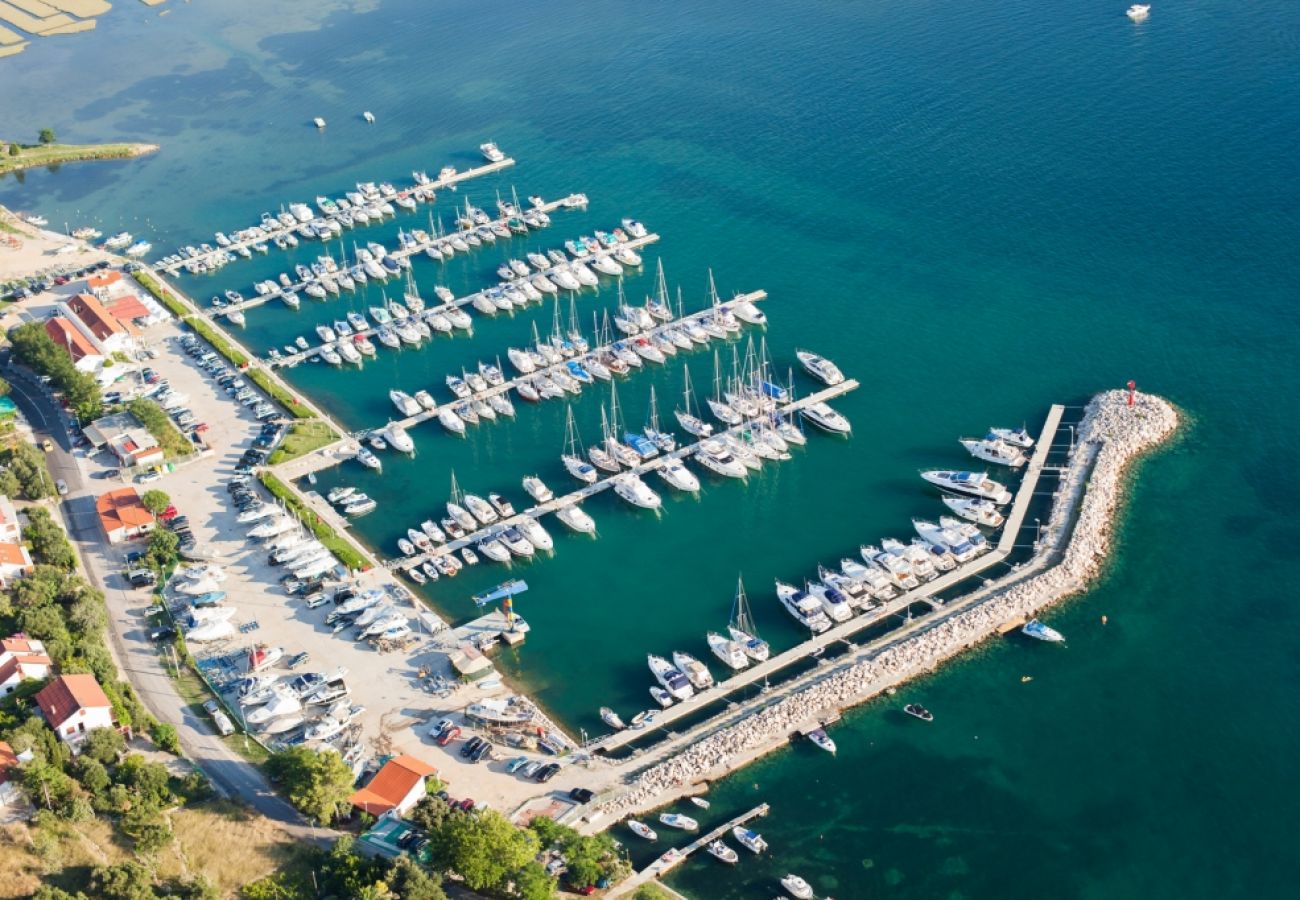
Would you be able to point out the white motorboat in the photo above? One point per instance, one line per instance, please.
(515, 542)
(494, 550)
(325, 728)
(432, 531)
(950, 539)
(480, 509)
(536, 535)
(976, 484)
(1016, 437)
(720, 851)
(833, 603)
(642, 830)
(405, 403)
(491, 152)
(728, 650)
(537, 489)
(398, 439)
(1037, 630)
(611, 718)
(671, 678)
(826, 418)
(283, 703)
(981, 512)
(797, 887)
(995, 451)
(806, 610)
(449, 420)
(677, 820)
(635, 491)
(576, 518)
(1139, 12)
(662, 697)
(820, 367)
(750, 840)
(368, 459)
(695, 671)
(718, 459)
(822, 740)
(896, 568)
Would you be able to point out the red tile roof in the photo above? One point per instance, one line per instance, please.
(66, 335)
(103, 279)
(128, 308)
(10, 666)
(122, 508)
(61, 698)
(12, 554)
(391, 784)
(8, 761)
(102, 323)
(20, 644)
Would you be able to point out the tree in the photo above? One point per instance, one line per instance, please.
(5, 388)
(166, 738)
(429, 814)
(650, 891)
(408, 879)
(483, 848)
(125, 881)
(49, 543)
(532, 883)
(104, 745)
(14, 150)
(47, 136)
(156, 502)
(317, 784)
(149, 781)
(163, 545)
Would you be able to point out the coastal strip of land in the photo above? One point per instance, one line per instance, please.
(31, 156)
(1112, 435)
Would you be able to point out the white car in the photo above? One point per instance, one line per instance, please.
(440, 726)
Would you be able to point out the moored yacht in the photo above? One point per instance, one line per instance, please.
(405, 403)
(976, 484)
(826, 418)
(695, 671)
(1036, 629)
(635, 491)
(820, 367)
(806, 610)
(994, 450)
(673, 679)
(981, 512)
(728, 650)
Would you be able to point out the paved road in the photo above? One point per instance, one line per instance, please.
(134, 653)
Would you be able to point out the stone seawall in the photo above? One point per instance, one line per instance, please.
(1111, 435)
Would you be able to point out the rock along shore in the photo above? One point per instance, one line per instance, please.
(1111, 436)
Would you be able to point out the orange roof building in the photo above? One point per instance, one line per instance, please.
(104, 281)
(70, 338)
(122, 515)
(75, 705)
(99, 321)
(15, 561)
(128, 308)
(396, 787)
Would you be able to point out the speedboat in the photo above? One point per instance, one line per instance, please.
(718, 459)
(995, 451)
(672, 678)
(825, 418)
(536, 535)
(635, 491)
(698, 673)
(677, 820)
(576, 518)
(678, 476)
(797, 887)
(1036, 629)
(750, 840)
(720, 851)
(405, 403)
(491, 152)
(537, 489)
(805, 609)
(1016, 437)
(611, 718)
(1139, 12)
(820, 367)
(919, 711)
(641, 830)
(976, 484)
(821, 739)
(516, 543)
(981, 512)
(727, 650)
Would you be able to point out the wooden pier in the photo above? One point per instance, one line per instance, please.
(429, 312)
(558, 503)
(436, 184)
(675, 856)
(760, 672)
(572, 201)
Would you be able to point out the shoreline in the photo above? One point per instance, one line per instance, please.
(1112, 437)
(57, 154)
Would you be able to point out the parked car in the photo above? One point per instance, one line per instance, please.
(439, 727)
(62, 487)
(148, 478)
(547, 772)
(47, 445)
(448, 736)
(163, 633)
(582, 795)
(211, 707)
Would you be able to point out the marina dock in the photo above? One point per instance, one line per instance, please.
(677, 855)
(436, 184)
(428, 414)
(572, 201)
(760, 672)
(457, 303)
(557, 503)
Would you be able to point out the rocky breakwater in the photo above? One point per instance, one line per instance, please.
(1111, 435)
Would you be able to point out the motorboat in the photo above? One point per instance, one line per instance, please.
(805, 609)
(449, 420)
(750, 840)
(405, 403)
(896, 568)
(822, 740)
(749, 312)
(797, 887)
(834, 603)
(398, 439)
(1016, 437)
(515, 542)
(720, 851)
(635, 491)
(976, 484)
(950, 539)
(728, 650)
(536, 535)
(577, 519)
(695, 671)
(425, 399)
(677, 820)
(671, 678)
(419, 539)
(491, 152)
(1139, 12)
(995, 451)
(826, 418)
(641, 830)
(1037, 630)
(537, 489)
(981, 512)
(480, 509)
(611, 718)
(263, 657)
(494, 550)
(919, 711)
(718, 459)
(677, 475)
(324, 729)
(470, 557)
(282, 703)
(503, 506)
(820, 367)
(210, 631)
(462, 517)
(662, 697)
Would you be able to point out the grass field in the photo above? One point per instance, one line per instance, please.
(30, 155)
(303, 438)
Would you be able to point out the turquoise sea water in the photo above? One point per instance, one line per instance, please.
(977, 209)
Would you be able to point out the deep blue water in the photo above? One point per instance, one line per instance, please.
(978, 209)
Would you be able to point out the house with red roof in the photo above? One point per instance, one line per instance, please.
(86, 357)
(15, 562)
(74, 706)
(122, 515)
(10, 528)
(396, 787)
(100, 325)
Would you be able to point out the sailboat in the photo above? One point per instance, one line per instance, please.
(661, 439)
(742, 629)
(459, 513)
(685, 417)
(717, 405)
(617, 449)
(572, 457)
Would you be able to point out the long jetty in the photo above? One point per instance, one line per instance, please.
(675, 856)
(507, 386)
(456, 303)
(762, 671)
(649, 465)
(572, 201)
(443, 181)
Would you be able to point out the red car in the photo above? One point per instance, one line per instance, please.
(201, 427)
(448, 736)
(169, 513)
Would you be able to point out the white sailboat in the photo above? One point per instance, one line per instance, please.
(572, 457)
(685, 414)
(457, 512)
(742, 628)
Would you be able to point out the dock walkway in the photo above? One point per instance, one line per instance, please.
(446, 181)
(588, 490)
(430, 312)
(760, 672)
(676, 856)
